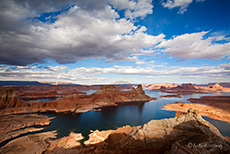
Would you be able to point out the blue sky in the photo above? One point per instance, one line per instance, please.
(103, 42)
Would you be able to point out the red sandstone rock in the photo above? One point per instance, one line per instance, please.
(184, 89)
(215, 87)
(177, 135)
(211, 111)
(8, 98)
(195, 89)
(179, 113)
(107, 95)
(31, 144)
(68, 142)
(13, 125)
(228, 138)
(187, 87)
(224, 84)
(157, 86)
(222, 102)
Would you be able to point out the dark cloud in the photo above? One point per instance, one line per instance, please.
(88, 29)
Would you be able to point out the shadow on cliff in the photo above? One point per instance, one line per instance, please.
(188, 137)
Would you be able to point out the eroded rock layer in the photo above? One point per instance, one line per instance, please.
(205, 110)
(8, 98)
(14, 125)
(188, 133)
(189, 88)
(107, 95)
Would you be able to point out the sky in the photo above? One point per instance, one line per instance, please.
(115, 41)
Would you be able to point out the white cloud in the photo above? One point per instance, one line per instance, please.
(137, 60)
(49, 73)
(133, 9)
(183, 4)
(194, 46)
(56, 68)
(123, 4)
(152, 61)
(95, 75)
(77, 34)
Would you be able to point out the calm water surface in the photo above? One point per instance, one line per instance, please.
(47, 99)
(42, 99)
(131, 114)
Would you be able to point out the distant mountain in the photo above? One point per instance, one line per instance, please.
(21, 83)
(223, 84)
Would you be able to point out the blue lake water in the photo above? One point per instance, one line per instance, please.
(88, 92)
(47, 99)
(42, 99)
(129, 114)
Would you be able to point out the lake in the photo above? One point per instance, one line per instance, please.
(41, 99)
(130, 114)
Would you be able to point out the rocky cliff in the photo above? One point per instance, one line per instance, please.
(211, 111)
(107, 95)
(8, 98)
(214, 87)
(157, 86)
(181, 89)
(14, 125)
(224, 84)
(188, 133)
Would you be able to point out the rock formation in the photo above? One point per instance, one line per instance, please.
(215, 87)
(191, 88)
(68, 142)
(188, 133)
(183, 89)
(107, 95)
(179, 113)
(8, 98)
(31, 144)
(223, 84)
(211, 111)
(222, 102)
(14, 125)
(157, 86)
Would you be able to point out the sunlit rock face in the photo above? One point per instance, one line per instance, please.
(157, 86)
(187, 86)
(186, 133)
(12, 126)
(191, 88)
(214, 110)
(215, 107)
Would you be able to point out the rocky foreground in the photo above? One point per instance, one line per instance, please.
(188, 133)
(215, 107)
(107, 95)
(12, 126)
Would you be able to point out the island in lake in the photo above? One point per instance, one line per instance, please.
(24, 119)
